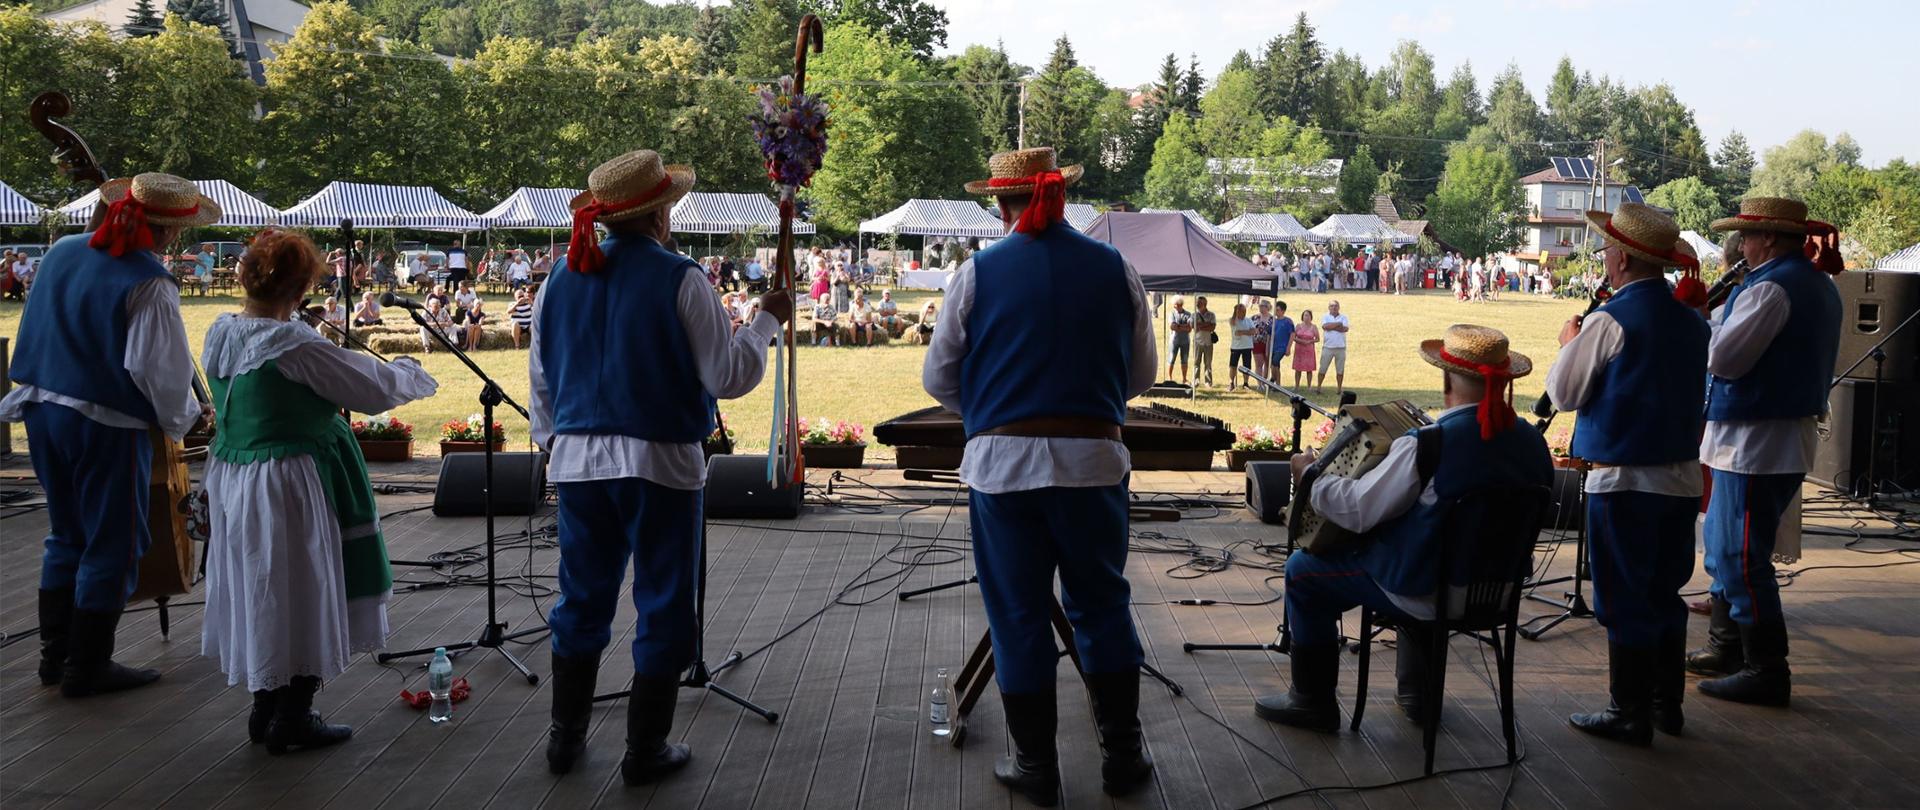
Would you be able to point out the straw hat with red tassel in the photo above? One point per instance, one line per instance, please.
(1646, 233)
(1789, 216)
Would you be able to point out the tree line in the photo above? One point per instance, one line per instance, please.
(480, 97)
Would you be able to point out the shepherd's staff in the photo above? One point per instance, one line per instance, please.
(791, 131)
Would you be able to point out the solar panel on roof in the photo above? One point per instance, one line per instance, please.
(1561, 168)
(1632, 194)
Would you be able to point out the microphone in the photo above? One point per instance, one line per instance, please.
(401, 301)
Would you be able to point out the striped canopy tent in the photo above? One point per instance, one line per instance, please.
(1907, 258)
(1359, 229)
(238, 209)
(532, 208)
(1081, 216)
(937, 218)
(716, 213)
(375, 206)
(1265, 228)
(1192, 216)
(18, 210)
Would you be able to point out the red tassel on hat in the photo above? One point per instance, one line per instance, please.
(1690, 290)
(1049, 203)
(126, 225)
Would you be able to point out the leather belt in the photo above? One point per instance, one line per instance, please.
(1057, 427)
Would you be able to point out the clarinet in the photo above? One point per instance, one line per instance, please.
(1717, 294)
(1543, 407)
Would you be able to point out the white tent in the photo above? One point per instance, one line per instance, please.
(1081, 216)
(375, 206)
(1907, 258)
(1193, 216)
(1360, 230)
(1268, 228)
(238, 209)
(1708, 252)
(700, 212)
(532, 208)
(18, 210)
(937, 218)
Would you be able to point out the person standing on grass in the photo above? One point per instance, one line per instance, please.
(1240, 347)
(630, 351)
(457, 262)
(1333, 352)
(1304, 336)
(1206, 333)
(1179, 337)
(1281, 342)
(1263, 338)
(1042, 400)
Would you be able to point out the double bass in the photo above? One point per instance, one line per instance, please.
(174, 508)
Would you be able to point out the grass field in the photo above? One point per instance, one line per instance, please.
(870, 385)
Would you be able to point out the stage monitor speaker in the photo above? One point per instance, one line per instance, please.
(1872, 303)
(1269, 484)
(1841, 459)
(737, 488)
(1568, 512)
(520, 484)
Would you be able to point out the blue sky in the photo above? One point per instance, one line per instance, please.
(1734, 61)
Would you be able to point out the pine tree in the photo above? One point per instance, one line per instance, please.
(1193, 86)
(1296, 75)
(206, 12)
(1732, 168)
(1168, 89)
(144, 21)
(1241, 62)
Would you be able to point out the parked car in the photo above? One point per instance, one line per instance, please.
(436, 261)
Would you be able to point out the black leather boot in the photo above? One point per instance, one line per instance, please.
(1765, 681)
(1309, 704)
(649, 719)
(90, 669)
(1670, 682)
(264, 702)
(1629, 719)
(296, 725)
(56, 614)
(1723, 654)
(573, 681)
(1412, 654)
(1034, 769)
(1124, 764)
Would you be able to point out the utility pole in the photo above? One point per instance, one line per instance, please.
(1021, 143)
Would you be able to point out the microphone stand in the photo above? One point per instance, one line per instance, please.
(494, 635)
(1870, 493)
(1301, 407)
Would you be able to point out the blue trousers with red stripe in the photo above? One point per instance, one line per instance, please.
(1319, 589)
(1640, 552)
(602, 523)
(1020, 540)
(96, 479)
(1743, 520)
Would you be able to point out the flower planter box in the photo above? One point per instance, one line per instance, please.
(1237, 459)
(469, 447)
(1570, 463)
(386, 449)
(834, 456)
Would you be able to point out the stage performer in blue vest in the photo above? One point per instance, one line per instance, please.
(1633, 369)
(1772, 358)
(1399, 505)
(1043, 396)
(630, 349)
(101, 359)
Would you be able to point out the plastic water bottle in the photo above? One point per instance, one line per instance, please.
(440, 685)
(937, 716)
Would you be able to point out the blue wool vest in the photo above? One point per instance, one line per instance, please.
(1405, 555)
(73, 336)
(614, 351)
(1026, 359)
(1790, 380)
(1639, 412)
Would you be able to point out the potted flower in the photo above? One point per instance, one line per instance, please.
(383, 438)
(832, 443)
(467, 436)
(1559, 444)
(1256, 443)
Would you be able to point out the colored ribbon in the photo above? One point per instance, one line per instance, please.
(126, 225)
(460, 691)
(1494, 414)
(1049, 203)
(583, 248)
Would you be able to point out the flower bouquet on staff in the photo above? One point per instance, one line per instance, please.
(468, 436)
(383, 438)
(1256, 443)
(718, 443)
(836, 444)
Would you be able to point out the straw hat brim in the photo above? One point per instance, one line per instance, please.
(1518, 365)
(683, 179)
(985, 187)
(208, 213)
(1737, 224)
(1599, 220)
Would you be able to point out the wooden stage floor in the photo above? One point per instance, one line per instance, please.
(851, 688)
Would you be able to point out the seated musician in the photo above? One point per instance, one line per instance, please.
(1398, 506)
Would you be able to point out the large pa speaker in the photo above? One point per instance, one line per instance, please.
(1848, 435)
(1872, 303)
(1269, 484)
(520, 484)
(737, 488)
